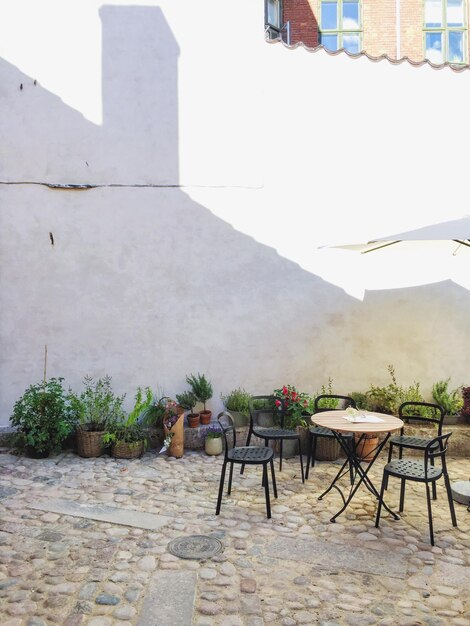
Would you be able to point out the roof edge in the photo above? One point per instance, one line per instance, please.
(383, 57)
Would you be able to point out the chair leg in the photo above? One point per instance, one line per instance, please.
(434, 492)
(221, 488)
(382, 489)
(390, 452)
(450, 499)
(402, 495)
(314, 449)
(309, 454)
(266, 490)
(230, 476)
(428, 497)
(273, 477)
(248, 439)
(281, 441)
(301, 460)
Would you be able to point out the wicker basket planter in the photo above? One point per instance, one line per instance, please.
(124, 450)
(328, 449)
(89, 442)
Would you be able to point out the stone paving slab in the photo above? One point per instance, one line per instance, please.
(336, 556)
(103, 513)
(169, 600)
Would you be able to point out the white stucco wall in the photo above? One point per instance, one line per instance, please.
(219, 163)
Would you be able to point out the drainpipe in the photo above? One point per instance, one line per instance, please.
(397, 29)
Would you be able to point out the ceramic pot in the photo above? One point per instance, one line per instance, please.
(193, 420)
(213, 446)
(366, 448)
(205, 417)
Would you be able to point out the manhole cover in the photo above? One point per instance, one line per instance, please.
(195, 547)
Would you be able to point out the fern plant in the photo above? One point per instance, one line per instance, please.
(200, 387)
(450, 401)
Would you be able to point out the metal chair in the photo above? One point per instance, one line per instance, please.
(247, 455)
(407, 411)
(320, 431)
(421, 471)
(274, 432)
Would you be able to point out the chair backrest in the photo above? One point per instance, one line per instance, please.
(346, 402)
(436, 447)
(259, 405)
(227, 425)
(422, 412)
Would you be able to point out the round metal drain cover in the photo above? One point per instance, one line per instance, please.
(195, 547)
(461, 491)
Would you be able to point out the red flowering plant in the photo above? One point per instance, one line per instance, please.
(293, 404)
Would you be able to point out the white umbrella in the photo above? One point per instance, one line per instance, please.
(432, 254)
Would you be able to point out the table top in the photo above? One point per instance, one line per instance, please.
(335, 421)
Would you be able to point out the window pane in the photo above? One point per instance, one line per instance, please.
(350, 15)
(455, 13)
(274, 17)
(329, 41)
(351, 42)
(433, 13)
(329, 15)
(455, 54)
(434, 47)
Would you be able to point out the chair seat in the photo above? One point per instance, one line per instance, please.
(250, 454)
(275, 433)
(413, 470)
(326, 432)
(408, 441)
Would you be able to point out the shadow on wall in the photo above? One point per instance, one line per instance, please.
(140, 281)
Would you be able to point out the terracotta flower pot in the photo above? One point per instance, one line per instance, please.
(193, 420)
(205, 417)
(365, 449)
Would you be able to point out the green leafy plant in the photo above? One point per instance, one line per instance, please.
(128, 429)
(450, 401)
(326, 403)
(388, 399)
(97, 405)
(187, 400)
(155, 412)
(200, 387)
(360, 398)
(237, 400)
(293, 404)
(43, 417)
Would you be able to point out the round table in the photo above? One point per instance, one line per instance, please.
(336, 421)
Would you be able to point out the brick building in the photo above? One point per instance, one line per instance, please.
(436, 30)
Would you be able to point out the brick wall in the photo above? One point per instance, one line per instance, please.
(303, 22)
(378, 25)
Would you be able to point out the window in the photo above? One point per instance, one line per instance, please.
(340, 25)
(273, 18)
(445, 31)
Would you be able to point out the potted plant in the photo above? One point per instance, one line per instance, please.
(188, 400)
(450, 401)
(293, 405)
(43, 419)
(237, 402)
(213, 441)
(126, 435)
(93, 409)
(202, 389)
(152, 418)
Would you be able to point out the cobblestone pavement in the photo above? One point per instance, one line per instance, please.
(59, 569)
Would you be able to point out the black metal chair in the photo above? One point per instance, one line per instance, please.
(275, 432)
(320, 431)
(421, 471)
(247, 455)
(409, 411)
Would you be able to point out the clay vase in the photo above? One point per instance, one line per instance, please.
(213, 446)
(193, 420)
(205, 417)
(365, 449)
